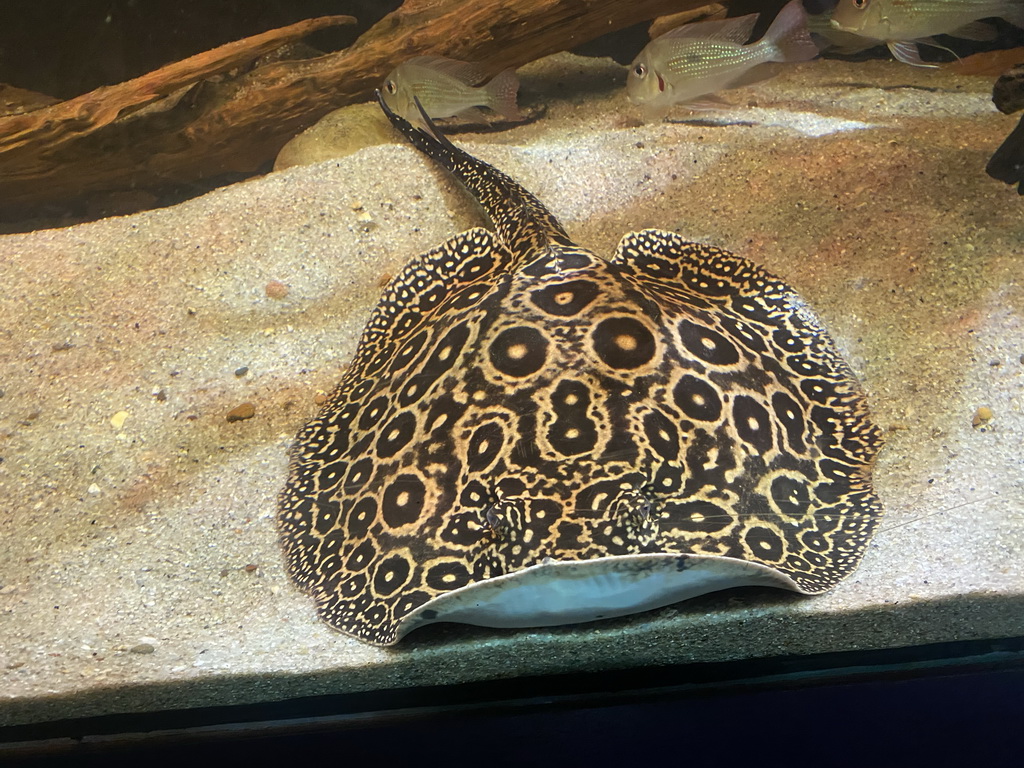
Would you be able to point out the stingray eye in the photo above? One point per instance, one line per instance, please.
(860, 5)
(639, 70)
(390, 87)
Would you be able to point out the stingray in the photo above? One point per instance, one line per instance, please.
(530, 435)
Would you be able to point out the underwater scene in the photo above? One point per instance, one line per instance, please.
(355, 347)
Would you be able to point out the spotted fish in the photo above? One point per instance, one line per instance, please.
(901, 24)
(531, 435)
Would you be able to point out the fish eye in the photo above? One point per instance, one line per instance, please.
(860, 5)
(390, 87)
(639, 70)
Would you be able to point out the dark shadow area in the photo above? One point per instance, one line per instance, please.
(64, 49)
(888, 708)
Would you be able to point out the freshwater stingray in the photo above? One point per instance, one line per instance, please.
(530, 435)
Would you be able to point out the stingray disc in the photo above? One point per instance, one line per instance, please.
(531, 435)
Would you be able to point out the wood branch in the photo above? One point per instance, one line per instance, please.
(150, 131)
(706, 13)
(96, 109)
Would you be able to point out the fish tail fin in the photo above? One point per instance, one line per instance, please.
(789, 36)
(501, 91)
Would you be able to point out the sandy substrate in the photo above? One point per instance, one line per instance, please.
(139, 564)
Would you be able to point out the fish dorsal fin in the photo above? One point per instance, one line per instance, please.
(463, 71)
(736, 30)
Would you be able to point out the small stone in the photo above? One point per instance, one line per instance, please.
(276, 290)
(251, 568)
(339, 133)
(982, 417)
(160, 395)
(94, 489)
(366, 222)
(241, 371)
(319, 398)
(241, 412)
(142, 648)
(118, 419)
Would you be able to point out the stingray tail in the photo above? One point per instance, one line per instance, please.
(518, 216)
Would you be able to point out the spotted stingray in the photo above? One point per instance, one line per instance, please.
(531, 435)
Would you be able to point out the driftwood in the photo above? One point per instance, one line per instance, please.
(705, 13)
(202, 118)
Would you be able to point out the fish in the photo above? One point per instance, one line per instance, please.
(530, 434)
(689, 64)
(447, 87)
(902, 24)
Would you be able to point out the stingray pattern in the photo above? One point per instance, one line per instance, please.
(517, 400)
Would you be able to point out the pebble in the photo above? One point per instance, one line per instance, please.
(142, 648)
(982, 417)
(241, 412)
(241, 371)
(276, 290)
(118, 419)
(366, 222)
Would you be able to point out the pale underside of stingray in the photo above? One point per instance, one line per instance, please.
(530, 435)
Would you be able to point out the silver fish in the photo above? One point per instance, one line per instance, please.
(901, 24)
(446, 87)
(693, 62)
